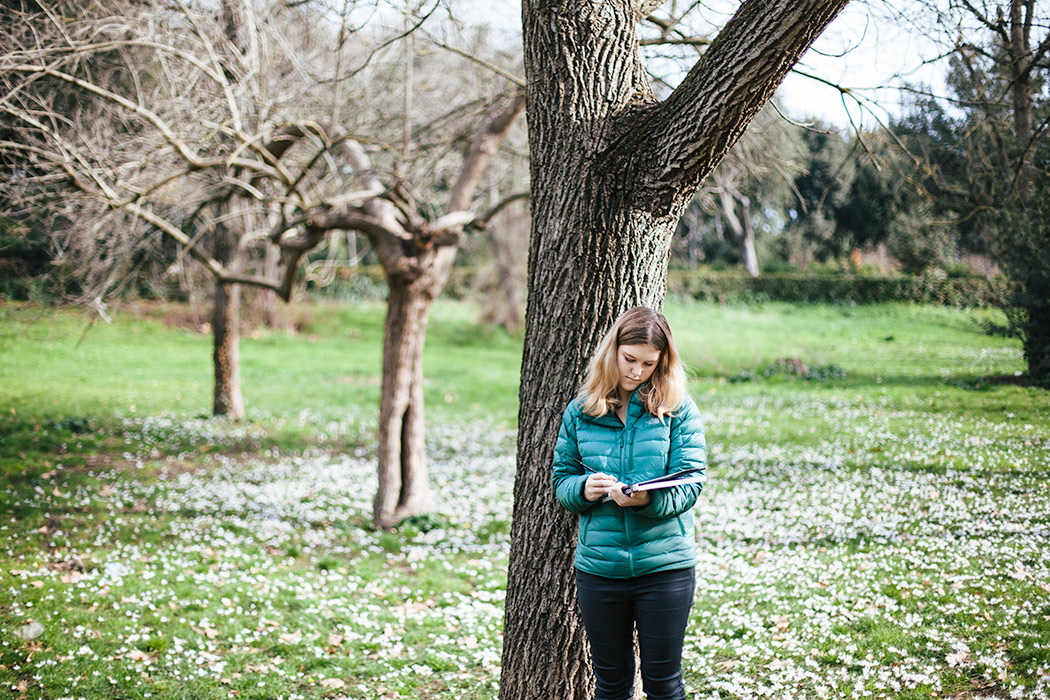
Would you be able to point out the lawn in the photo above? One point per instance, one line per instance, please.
(876, 521)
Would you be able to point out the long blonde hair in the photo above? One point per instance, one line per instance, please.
(663, 393)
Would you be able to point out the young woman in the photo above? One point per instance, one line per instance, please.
(635, 555)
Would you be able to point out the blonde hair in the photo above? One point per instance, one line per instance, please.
(663, 393)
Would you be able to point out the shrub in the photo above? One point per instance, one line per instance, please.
(930, 288)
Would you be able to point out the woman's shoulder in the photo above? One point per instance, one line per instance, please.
(687, 410)
(575, 407)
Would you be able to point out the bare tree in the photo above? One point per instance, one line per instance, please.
(230, 147)
(416, 255)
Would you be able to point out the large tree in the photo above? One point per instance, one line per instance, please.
(984, 148)
(612, 171)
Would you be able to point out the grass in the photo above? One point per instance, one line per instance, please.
(875, 524)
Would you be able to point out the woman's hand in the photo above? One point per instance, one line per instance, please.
(637, 499)
(598, 485)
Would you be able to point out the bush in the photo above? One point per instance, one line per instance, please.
(929, 288)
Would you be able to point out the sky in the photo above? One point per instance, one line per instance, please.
(871, 55)
(864, 49)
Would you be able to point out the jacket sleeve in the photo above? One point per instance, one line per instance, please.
(688, 450)
(568, 473)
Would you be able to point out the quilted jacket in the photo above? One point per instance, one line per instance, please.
(617, 542)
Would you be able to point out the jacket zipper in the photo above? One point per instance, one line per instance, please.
(625, 470)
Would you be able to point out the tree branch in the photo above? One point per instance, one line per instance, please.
(483, 148)
(520, 82)
(483, 221)
(735, 77)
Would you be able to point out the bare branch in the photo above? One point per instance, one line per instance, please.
(488, 216)
(520, 82)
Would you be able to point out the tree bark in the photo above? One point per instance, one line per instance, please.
(227, 400)
(1020, 50)
(404, 486)
(612, 171)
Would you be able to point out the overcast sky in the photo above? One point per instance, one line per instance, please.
(865, 49)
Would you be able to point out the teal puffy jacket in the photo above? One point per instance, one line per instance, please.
(617, 542)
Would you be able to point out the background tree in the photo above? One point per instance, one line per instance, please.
(612, 171)
(983, 150)
(743, 199)
(225, 141)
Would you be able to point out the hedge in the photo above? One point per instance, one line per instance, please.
(366, 282)
(839, 288)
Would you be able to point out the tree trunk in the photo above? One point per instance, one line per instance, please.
(263, 305)
(404, 488)
(1037, 336)
(500, 305)
(740, 227)
(747, 247)
(612, 172)
(226, 396)
(508, 312)
(1020, 50)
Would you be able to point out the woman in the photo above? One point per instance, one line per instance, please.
(635, 555)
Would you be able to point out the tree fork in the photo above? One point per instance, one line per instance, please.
(611, 173)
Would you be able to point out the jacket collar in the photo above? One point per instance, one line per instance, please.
(635, 409)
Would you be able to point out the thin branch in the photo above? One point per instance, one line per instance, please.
(520, 82)
(487, 217)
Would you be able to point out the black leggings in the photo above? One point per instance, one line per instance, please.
(659, 604)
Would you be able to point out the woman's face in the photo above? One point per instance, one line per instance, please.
(635, 364)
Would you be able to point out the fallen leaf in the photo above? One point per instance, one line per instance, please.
(333, 683)
(291, 637)
(1020, 572)
(958, 658)
(335, 640)
(30, 630)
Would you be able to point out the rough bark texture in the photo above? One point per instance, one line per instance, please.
(612, 171)
(227, 400)
(404, 487)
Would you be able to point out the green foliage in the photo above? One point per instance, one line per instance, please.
(930, 288)
(984, 165)
(25, 255)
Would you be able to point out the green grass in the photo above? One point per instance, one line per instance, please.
(875, 524)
